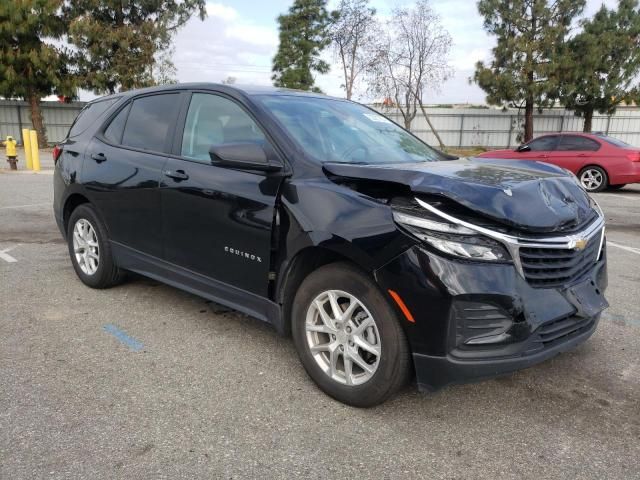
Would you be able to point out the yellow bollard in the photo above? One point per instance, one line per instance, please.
(26, 144)
(35, 154)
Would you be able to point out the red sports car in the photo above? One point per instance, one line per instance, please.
(597, 160)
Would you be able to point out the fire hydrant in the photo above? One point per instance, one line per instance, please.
(12, 155)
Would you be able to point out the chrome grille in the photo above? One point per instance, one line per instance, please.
(552, 267)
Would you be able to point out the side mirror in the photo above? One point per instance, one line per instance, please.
(246, 155)
(523, 148)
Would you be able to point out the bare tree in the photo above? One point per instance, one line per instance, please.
(229, 80)
(352, 36)
(411, 56)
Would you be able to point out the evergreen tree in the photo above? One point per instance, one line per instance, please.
(601, 64)
(530, 35)
(31, 68)
(303, 36)
(118, 41)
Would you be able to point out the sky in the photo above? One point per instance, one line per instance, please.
(240, 37)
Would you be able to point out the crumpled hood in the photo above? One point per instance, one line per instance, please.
(529, 195)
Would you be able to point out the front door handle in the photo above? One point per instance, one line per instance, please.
(177, 174)
(98, 157)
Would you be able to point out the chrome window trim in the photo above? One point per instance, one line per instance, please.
(513, 243)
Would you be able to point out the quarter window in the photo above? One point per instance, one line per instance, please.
(215, 120)
(149, 122)
(577, 143)
(89, 114)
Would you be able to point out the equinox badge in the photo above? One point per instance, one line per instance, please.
(240, 253)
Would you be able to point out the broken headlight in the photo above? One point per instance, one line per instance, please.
(452, 239)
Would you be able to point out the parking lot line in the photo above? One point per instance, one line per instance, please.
(6, 257)
(624, 247)
(26, 206)
(130, 342)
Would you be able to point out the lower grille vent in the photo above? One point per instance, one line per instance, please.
(558, 331)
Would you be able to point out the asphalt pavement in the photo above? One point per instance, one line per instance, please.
(146, 381)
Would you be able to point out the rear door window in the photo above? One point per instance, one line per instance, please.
(150, 122)
(543, 144)
(577, 143)
(89, 114)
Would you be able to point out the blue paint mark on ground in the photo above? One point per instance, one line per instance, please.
(130, 342)
(621, 319)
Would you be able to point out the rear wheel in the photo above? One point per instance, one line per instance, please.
(348, 337)
(593, 179)
(90, 250)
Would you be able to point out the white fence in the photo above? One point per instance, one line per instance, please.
(458, 127)
(493, 128)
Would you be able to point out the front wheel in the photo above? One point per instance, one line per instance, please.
(593, 179)
(348, 337)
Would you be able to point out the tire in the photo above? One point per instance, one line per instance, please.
(593, 179)
(388, 371)
(95, 273)
(617, 187)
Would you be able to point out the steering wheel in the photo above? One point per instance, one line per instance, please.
(348, 153)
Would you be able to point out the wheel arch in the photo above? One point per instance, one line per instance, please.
(72, 202)
(591, 164)
(303, 263)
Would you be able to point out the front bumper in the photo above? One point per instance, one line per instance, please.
(436, 372)
(526, 325)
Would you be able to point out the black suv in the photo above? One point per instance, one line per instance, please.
(380, 255)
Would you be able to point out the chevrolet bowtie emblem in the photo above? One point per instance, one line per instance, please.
(579, 244)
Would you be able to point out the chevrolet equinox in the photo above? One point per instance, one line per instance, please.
(385, 259)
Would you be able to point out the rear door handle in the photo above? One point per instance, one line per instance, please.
(177, 175)
(98, 157)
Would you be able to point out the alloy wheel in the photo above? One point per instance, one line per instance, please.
(591, 179)
(343, 337)
(85, 246)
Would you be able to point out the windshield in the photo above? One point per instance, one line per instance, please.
(340, 131)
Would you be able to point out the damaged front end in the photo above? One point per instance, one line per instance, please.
(497, 280)
(543, 260)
